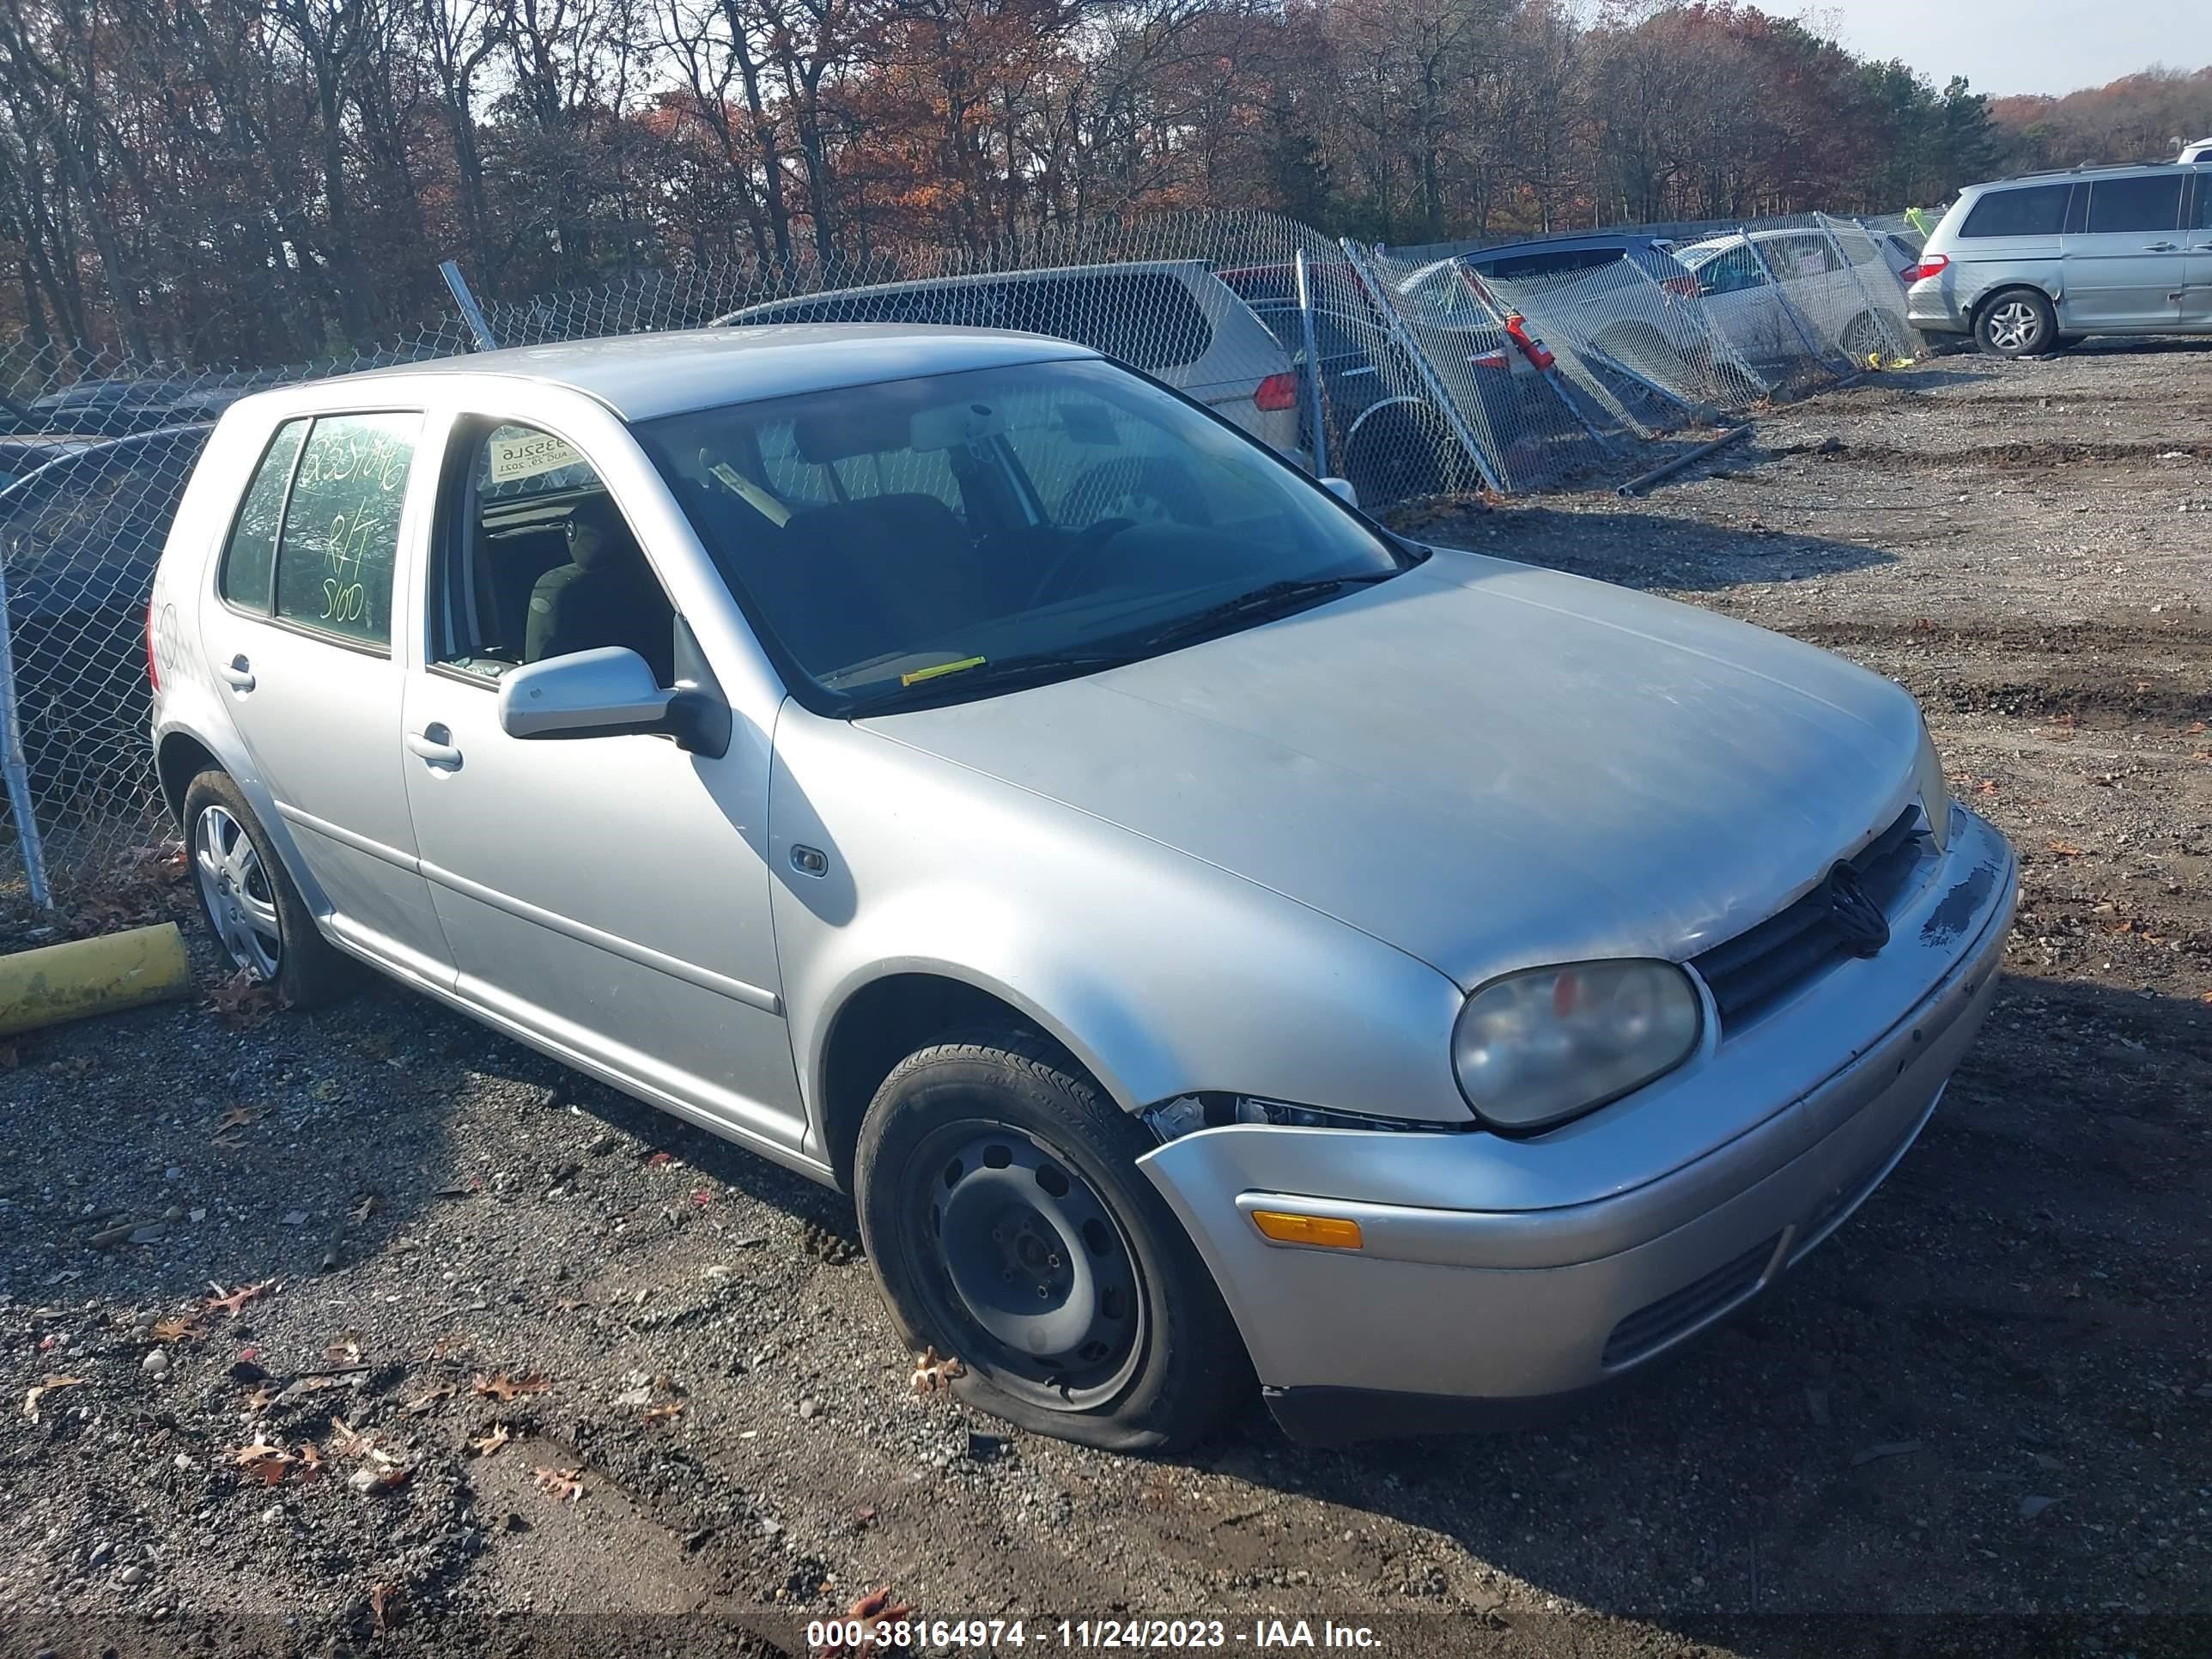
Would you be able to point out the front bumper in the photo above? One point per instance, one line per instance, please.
(1499, 1307)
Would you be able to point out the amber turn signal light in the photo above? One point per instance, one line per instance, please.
(1330, 1232)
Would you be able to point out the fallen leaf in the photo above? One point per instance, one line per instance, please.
(2066, 849)
(384, 1604)
(177, 1327)
(367, 1206)
(347, 1441)
(506, 1388)
(431, 1397)
(242, 1002)
(236, 1117)
(931, 1373)
(564, 1486)
(873, 1608)
(31, 1399)
(261, 1400)
(346, 1351)
(231, 1302)
(311, 1460)
(662, 1414)
(489, 1446)
(262, 1459)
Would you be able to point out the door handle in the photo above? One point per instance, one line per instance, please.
(429, 744)
(239, 672)
(2160, 247)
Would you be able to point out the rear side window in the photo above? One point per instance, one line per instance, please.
(249, 559)
(1731, 272)
(341, 534)
(1146, 318)
(2201, 219)
(1544, 265)
(2030, 211)
(2148, 202)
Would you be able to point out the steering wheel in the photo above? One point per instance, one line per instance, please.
(1056, 582)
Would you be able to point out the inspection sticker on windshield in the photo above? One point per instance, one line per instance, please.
(528, 455)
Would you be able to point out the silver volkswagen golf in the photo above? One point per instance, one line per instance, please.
(1207, 933)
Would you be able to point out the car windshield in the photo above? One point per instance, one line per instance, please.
(940, 539)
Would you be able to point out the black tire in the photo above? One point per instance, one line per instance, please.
(1054, 1162)
(1395, 457)
(305, 967)
(2016, 322)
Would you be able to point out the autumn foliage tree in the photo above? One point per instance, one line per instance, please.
(269, 179)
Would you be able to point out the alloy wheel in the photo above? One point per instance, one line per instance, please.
(2013, 326)
(236, 891)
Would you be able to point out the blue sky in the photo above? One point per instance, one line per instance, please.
(2024, 46)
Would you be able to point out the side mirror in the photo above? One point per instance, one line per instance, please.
(603, 693)
(1343, 489)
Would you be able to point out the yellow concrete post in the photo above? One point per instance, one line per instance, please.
(91, 976)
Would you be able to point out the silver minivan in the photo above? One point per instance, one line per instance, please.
(2025, 265)
(1235, 941)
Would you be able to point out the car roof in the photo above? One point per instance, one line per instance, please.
(1191, 270)
(641, 376)
(2090, 170)
(1563, 244)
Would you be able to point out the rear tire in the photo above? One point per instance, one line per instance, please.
(2016, 323)
(1395, 457)
(260, 923)
(1008, 1227)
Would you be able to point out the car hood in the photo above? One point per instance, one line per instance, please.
(1486, 765)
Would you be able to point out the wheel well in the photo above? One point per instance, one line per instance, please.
(1998, 294)
(879, 1026)
(180, 760)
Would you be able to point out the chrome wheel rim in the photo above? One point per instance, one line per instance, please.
(2013, 326)
(236, 893)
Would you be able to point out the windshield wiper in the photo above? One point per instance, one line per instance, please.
(1273, 599)
(989, 674)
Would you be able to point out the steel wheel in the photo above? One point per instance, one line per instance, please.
(2013, 326)
(235, 890)
(1027, 1260)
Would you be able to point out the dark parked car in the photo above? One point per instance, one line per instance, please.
(1551, 256)
(1386, 434)
(79, 539)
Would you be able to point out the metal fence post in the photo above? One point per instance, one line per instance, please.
(1444, 405)
(1872, 307)
(1313, 367)
(1781, 298)
(471, 313)
(12, 763)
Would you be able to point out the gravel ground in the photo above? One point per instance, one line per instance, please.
(526, 1364)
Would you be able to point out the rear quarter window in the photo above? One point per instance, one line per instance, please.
(1546, 264)
(1147, 317)
(2028, 210)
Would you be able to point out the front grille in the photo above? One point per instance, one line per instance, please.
(1657, 1323)
(1751, 971)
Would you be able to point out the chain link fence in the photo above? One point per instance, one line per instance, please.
(95, 451)
(1406, 372)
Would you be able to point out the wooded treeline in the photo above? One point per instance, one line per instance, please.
(268, 179)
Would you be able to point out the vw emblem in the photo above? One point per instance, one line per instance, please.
(1856, 918)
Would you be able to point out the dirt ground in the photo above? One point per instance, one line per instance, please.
(1989, 1397)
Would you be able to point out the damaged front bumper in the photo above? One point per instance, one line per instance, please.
(1497, 1276)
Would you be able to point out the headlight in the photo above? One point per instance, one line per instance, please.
(1534, 1049)
(1934, 793)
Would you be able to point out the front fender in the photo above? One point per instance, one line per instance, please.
(1163, 975)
